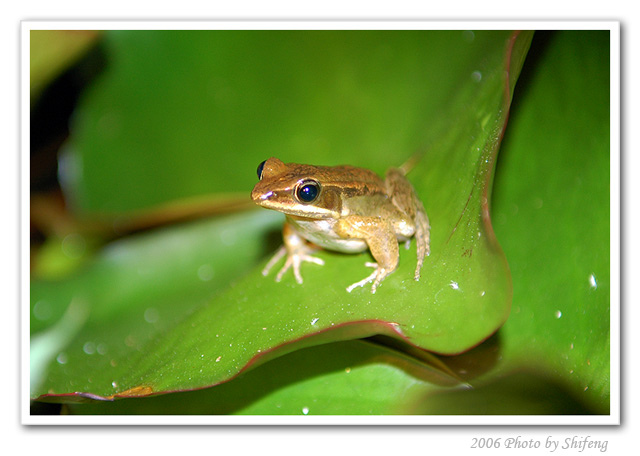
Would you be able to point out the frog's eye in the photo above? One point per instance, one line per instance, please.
(307, 191)
(260, 168)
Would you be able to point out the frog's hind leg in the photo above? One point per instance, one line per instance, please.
(404, 197)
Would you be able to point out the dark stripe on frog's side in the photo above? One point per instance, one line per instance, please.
(358, 200)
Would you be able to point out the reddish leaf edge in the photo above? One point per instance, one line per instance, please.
(434, 370)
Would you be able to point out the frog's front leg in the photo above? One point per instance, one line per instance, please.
(297, 251)
(381, 239)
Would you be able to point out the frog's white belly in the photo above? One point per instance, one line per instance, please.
(322, 233)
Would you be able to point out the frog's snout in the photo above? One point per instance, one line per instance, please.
(255, 196)
(258, 196)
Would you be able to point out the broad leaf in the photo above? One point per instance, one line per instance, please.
(552, 206)
(446, 93)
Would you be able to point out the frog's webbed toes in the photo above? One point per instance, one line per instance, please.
(376, 276)
(274, 259)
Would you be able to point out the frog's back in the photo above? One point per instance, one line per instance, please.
(351, 179)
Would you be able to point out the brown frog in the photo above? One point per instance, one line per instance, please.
(342, 208)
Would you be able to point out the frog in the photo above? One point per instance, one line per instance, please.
(345, 209)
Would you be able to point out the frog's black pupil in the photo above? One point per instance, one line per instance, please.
(308, 192)
(260, 168)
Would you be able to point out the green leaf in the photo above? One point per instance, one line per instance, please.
(552, 215)
(340, 378)
(369, 106)
(135, 290)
